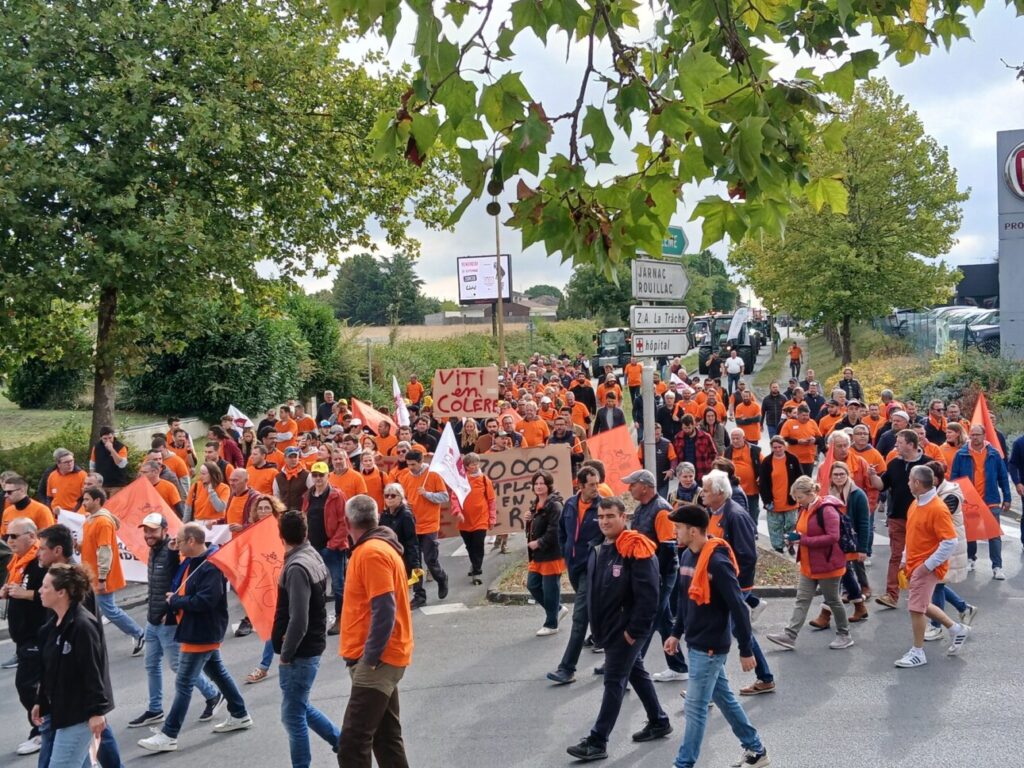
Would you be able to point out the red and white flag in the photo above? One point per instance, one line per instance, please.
(447, 463)
(238, 418)
(401, 412)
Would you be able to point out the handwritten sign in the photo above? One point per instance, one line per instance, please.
(511, 472)
(616, 451)
(465, 392)
(252, 562)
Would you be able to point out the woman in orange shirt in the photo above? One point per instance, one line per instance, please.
(544, 580)
(208, 497)
(478, 513)
(954, 442)
(373, 478)
(822, 562)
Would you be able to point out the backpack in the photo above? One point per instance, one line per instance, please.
(847, 536)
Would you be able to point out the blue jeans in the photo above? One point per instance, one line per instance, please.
(70, 746)
(664, 621)
(159, 641)
(943, 593)
(268, 655)
(298, 715)
(851, 584)
(190, 666)
(733, 382)
(547, 591)
(108, 607)
(754, 507)
(336, 561)
(709, 683)
(761, 668)
(108, 754)
(580, 623)
(625, 663)
(772, 430)
(995, 546)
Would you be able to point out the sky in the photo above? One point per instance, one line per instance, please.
(963, 98)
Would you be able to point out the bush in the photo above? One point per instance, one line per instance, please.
(30, 461)
(52, 384)
(878, 373)
(315, 321)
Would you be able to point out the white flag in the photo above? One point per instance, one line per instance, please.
(238, 418)
(447, 463)
(401, 412)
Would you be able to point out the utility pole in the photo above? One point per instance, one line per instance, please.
(494, 208)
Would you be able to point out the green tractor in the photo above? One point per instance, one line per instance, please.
(718, 339)
(613, 348)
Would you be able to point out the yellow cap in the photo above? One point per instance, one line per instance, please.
(320, 467)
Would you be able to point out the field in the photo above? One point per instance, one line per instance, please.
(381, 333)
(19, 427)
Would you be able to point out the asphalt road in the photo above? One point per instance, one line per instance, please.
(476, 695)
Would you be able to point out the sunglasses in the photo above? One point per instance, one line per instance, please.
(12, 536)
(390, 495)
(317, 474)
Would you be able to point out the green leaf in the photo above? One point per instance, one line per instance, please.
(827, 191)
(595, 125)
(424, 131)
(457, 10)
(919, 11)
(749, 141)
(459, 210)
(502, 102)
(833, 134)
(529, 14)
(697, 70)
(720, 218)
(840, 81)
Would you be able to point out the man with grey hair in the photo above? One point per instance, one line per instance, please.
(60, 487)
(376, 641)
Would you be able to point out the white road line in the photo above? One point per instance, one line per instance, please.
(460, 552)
(434, 610)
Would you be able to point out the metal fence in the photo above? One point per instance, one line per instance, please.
(926, 333)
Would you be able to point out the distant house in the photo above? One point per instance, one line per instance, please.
(514, 312)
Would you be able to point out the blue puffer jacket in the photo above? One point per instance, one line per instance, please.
(576, 546)
(997, 482)
(204, 605)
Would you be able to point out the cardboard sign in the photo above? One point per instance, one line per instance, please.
(252, 562)
(511, 472)
(616, 451)
(465, 392)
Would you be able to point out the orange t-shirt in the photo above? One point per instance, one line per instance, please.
(634, 374)
(535, 433)
(605, 491)
(101, 531)
(168, 492)
(427, 514)
(414, 391)
(235, 513)
(374, 569)
(350, 484)
(307, 424)
(948, 453)
(927, 525)
(375, 482)
(744, 470)
(386, 444)
(580, 414)
(873, 459)
(794, 353)
(603, 389)
(547, 416)
(183, 455)
(780, 486)
(174, 463)
(792, 429)
(476, 509)
(715, 526)
(65, 490)
(978, 457)
(718, 408)
(262, 478)
(288, 425)
(37, 512)
(874, 425)
(661, 388)
(750, 411)
(828, 422)
(202, 509)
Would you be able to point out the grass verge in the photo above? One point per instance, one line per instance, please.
(21, 426)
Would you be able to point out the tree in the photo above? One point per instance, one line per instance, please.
(154, 153)
(904, 209)
(381, 290)
(543, 290)
(694, 99)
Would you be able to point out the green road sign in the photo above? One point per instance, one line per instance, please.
(675, 242)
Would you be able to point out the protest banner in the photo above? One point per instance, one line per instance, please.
(616, 451)
(511, 471)
(447, 462)
(238, 418)
(371, 417)
(252, 562)
(132, 567)
(130, 505)
(979, 522)
(460, 392)
(401, 410)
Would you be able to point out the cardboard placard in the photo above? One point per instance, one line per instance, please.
(511, 470)
(459, 392)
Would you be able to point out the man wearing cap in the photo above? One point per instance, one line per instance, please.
(651, 519)
(161, 624)
(886, 439)
(855, 415)
(290, 483)
(711, 610)
(324, 507)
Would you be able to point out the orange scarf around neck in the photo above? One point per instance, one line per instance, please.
(634, 544)
(16, 568)
(700, 584)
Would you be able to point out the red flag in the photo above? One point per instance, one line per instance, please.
(130, 505)
(252, 562)
(983, 417)
(371, 417)
(979, 522)
(615, 450)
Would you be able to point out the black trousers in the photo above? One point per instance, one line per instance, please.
(27, 677)
(474, 541)
(624, 663)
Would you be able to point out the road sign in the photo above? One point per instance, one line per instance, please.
(660, 344)
(656, 280)
(675, 242)
(656, 318)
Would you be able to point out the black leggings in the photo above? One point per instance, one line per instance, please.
(475, 547)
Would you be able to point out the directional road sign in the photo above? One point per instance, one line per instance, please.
(660, 344)
(655, 318)
(657, 280)
(675, 242)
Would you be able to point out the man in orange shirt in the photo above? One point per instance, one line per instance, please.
(801, 435)
(746, 458)
(168, 491)
(286, 428)
(261, 471)
(386, 441)
(18, 504)
(64, 484)
(426, 492)
(874, 420)
(180, 444)
(305, 422)
(610, 384)
(343, 477)
(633, 371)
(748, 417)
(535, 430)
(547, 411)
(173, 462)
(100, 556)
(580, 412)
(796, 359)
(376, 641)
(831, 417)
(931, 542)
(414, 390)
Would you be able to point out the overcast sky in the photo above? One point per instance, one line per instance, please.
(963, 98)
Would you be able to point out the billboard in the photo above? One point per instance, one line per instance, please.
(478, 279)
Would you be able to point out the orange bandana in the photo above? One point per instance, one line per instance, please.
(700, 585)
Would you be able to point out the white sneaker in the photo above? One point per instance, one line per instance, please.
(31, 746)
(159, 742)
(971, 565)
(967, 617)
(841, 642)
(867, 562)
(998, 575)
(757, 610)
(911, 659)
(233, 724)
(959, 638)
(932, 633)
(546, 631)
(670, 676)
(563, 611)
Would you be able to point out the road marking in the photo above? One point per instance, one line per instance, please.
(434, 610)
(460, 552)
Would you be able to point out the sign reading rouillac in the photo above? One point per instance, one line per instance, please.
(655, 280)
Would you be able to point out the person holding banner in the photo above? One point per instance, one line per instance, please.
(425, 492)
(981, 463)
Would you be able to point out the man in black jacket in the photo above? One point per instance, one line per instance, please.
(622, 597)
(300, 637)
(610, 416)
(161, 624)
(711, 610)
(200, 599)
(771, 409)
(25, 617)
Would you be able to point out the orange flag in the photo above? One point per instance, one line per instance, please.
(983, 417)
(252, 562)
(825, 470)
(616, 451)
(130, 505)
(371, 417)
(516, 418)
(979, 522)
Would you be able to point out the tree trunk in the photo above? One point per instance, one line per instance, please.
(832, 337)
(847, 341)
(105, 380)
